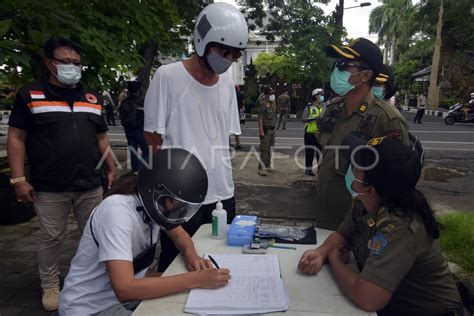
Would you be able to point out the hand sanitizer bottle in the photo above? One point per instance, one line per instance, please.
(219, 222)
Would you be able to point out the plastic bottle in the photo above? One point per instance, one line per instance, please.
(219, 222)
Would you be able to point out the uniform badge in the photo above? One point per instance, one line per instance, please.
(362, 108)
(377, 244)
(375, 141)
(366, 125)
(91, 98)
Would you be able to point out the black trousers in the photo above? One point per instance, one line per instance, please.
(203, 216)
(311, 145)
(109, 115)
(419, 115)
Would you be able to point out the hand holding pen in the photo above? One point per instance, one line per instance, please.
(212, 278)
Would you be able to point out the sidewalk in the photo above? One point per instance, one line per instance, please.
(20, 292)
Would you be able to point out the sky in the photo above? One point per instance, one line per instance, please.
(356, 20)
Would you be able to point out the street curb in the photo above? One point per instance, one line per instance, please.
(438, 113)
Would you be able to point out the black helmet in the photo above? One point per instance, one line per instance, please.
(174, 188)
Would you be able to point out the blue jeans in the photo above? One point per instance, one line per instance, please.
(135, 139)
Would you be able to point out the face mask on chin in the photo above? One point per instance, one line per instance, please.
(271, 97)
(218, 63)
(68, 74)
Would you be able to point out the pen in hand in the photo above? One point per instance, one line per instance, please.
(213, 262)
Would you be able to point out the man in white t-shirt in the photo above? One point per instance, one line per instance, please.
(192, 105)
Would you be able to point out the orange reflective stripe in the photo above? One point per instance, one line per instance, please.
(88, 105)
(46, 103)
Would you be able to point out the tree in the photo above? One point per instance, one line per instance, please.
(118, 37)
(304, 32)
(388, 21)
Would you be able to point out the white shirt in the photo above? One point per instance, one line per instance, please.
(122, 235)
(198, 118)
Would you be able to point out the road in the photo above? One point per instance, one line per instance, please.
(448, 178)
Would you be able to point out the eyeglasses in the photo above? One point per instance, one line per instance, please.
(344, 65)
(67, 62)
(225, 51)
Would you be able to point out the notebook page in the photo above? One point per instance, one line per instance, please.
(244, 294)
(255, 287)
(240, 264)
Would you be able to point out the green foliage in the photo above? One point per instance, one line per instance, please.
(447, 103)
(457, 239)
(418, 56)
(304, 32)
(111, 34)
(403, 71)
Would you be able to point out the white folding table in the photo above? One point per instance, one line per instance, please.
(309, 295)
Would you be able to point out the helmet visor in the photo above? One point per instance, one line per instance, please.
(173, 210)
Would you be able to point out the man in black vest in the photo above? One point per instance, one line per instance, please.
(57, 123)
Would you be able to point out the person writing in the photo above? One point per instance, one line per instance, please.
(108, 274)
(392, 233)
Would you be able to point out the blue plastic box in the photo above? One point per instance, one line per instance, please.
(242, 230)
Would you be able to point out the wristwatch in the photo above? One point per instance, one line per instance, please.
(13, 181)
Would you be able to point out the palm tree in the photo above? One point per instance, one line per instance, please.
(387, 20)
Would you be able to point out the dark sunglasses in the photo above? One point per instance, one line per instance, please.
(66, 62)
(225, 51)
(344, 65)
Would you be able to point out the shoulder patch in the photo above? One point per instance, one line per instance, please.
(91, 98)
(395, 133)
(377, 243)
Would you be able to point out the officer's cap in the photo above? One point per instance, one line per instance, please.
(390, 166)
(386, 74)
(359, 49)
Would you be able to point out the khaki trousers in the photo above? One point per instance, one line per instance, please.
(283, 116)
(266, 144)
(53, 210)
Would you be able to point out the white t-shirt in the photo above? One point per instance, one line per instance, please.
(197, 118)
(122, 235)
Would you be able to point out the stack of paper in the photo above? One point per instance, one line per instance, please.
(256, 287)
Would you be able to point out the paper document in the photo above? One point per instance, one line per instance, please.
(255, 287)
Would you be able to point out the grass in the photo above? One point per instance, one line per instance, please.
(457, 239)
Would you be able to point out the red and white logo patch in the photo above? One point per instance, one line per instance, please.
(35, 95)
(91, 98)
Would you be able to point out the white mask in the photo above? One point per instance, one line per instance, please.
(68, 74)
(271, 97)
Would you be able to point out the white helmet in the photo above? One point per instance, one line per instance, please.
(472, 95)
(317, 91)
(220, 23)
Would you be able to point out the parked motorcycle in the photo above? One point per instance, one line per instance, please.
(456, 115)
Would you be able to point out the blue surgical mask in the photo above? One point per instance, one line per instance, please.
(378, 92)
(340, 82)
(349, 178)
(321, 98)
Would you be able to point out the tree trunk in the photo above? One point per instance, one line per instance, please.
(392, 49)
(339, 14)
(385, 50)
(148, 52)
(433, 89)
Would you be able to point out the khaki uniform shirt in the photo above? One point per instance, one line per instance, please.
(373, 118)
(284, 101)
(399, 255)
(267, 113)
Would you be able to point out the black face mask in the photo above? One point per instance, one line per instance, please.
(145, 258)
